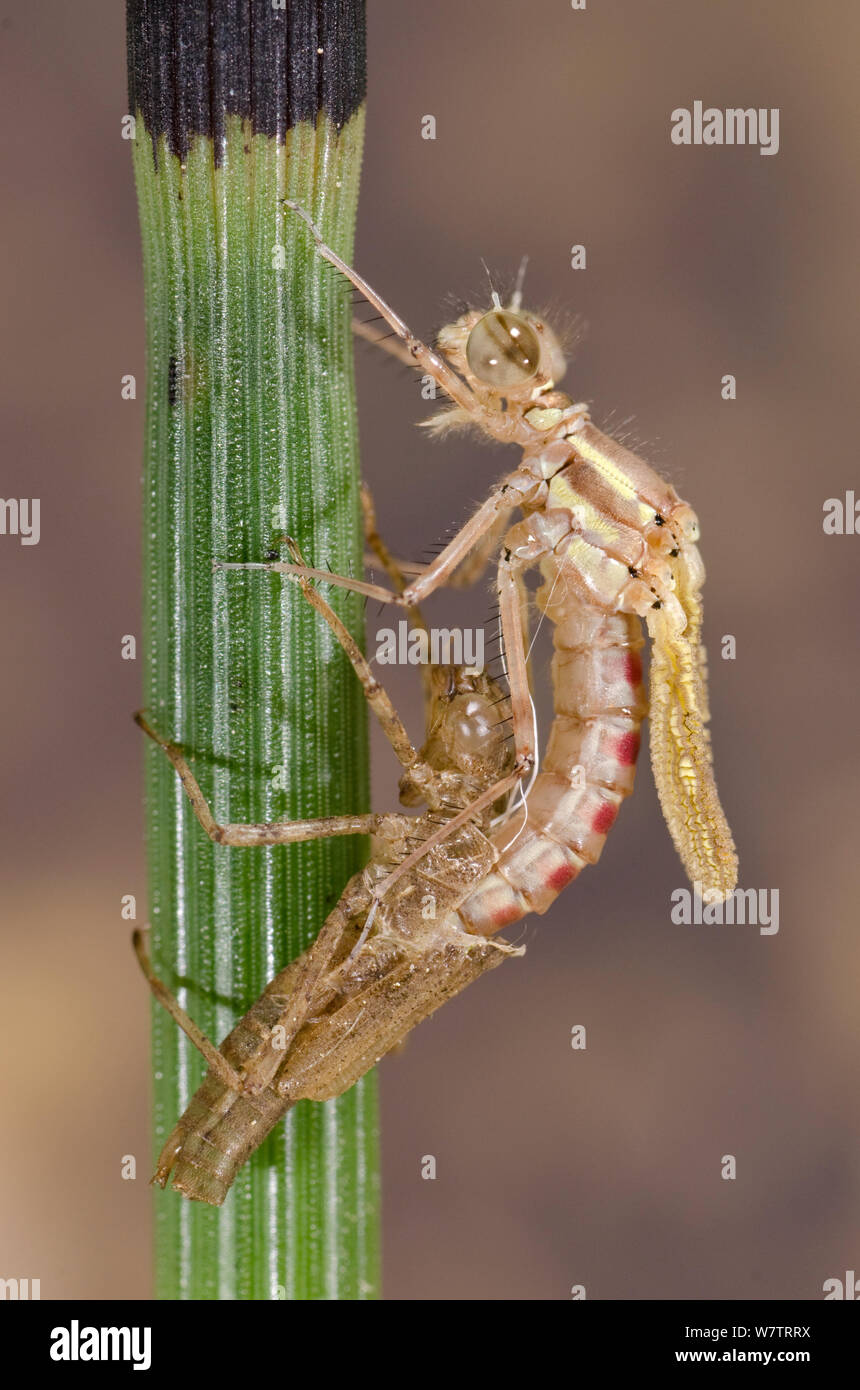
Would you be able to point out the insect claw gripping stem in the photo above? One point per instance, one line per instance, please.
(226, 1074)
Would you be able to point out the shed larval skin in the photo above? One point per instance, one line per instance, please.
(387, 956)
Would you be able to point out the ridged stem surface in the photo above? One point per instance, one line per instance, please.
(250, 434)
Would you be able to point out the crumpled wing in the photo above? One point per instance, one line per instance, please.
(680, 743)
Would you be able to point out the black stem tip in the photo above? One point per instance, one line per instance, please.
(192, 63)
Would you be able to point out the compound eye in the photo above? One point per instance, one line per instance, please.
(502, 350)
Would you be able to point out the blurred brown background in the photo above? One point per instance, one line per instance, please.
(554, 1167)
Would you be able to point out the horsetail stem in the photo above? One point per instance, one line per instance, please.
(250, 434)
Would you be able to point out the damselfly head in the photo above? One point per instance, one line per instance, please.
(504, 351)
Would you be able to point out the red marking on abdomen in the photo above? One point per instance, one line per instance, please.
(633, 667)
(506, 916)
(605, 818)
(627, 749)
(562, 876)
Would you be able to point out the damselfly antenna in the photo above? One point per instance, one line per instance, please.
(517, 296)
(495, 299)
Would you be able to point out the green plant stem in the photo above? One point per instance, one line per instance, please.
(250, 434)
